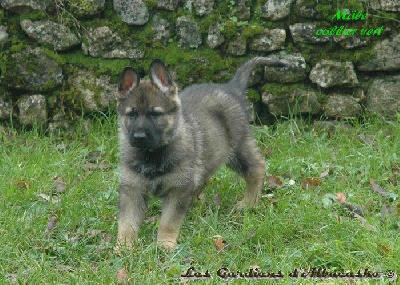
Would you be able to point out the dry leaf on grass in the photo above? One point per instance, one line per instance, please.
(51, 224)
(152, 219)
(219, 243)
(274, 181)
(60, 185)
(364, 222)
(267, 151)
(384, 248)
(310, 183)
(377, 188)
(122, 276)
(340, 197)
(201, 196)
(217, 200)
(90, 166)
(51, 199)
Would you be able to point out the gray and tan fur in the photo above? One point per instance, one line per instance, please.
(171, 143)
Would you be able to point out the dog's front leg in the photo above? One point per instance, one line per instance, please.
(132, 208)
(175, 207)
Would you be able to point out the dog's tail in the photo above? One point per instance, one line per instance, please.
(242, 75)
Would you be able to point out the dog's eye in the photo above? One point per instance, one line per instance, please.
(154, 113)
(132, 114)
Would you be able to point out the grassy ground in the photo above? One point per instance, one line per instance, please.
(59, 204)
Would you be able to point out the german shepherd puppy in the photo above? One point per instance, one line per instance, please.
(171, 143)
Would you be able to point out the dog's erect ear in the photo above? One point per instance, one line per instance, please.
(160, 76)
(128, 80)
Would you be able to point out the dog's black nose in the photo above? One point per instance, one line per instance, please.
(139, 135)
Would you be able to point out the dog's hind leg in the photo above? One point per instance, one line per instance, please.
(249, 163)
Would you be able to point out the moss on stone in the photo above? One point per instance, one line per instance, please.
(100, 66)
(253, 95)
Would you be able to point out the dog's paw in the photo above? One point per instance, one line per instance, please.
(167, 245)
(246, 204)
(122, 246)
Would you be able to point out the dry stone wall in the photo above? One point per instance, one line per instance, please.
(60, 59)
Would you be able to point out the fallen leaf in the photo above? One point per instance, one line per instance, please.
(395, 174)
(151, 219)
(340, 197)
(365, 139)
(90, 166)
(267, 151)
(325, 173)
(122, 276)
(217, 200)
(51, 224)
(384, 248)
(95, 232)
(62, 267)
(21, 184)
(201, 196)
(60, 187)
(274, 181)
(364, 222)
(254, 267)
(94, 156)
(219, 243)
(51, 199)
(310, 183)
(378, 189)
(251, 234)
(386, 211)
(74, 239)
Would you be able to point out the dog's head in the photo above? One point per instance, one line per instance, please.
(148, 110)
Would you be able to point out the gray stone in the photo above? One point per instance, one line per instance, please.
(215, 38)
(294, 71)
(96, 93)
(383, 96)
(24, 6)
(298, 102)
(32, 69)
(305, 33)
(188, 33)
(386, 5)
(306, 9)
(276, 9)
(351, 42)
(163, 30)
(102, 42)
(133, 12)
(386, 56)
(6, 109)
(86, 8)
(237, 46)
(58, 36)
(170, 5)
(269, 40)
(32, 109)
(3, 35)
(59, 124)
(328, 73)
(243, 9)
(203, 7)
(342, 106)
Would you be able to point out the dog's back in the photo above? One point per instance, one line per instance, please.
(218, 117)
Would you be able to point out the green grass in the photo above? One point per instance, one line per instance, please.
(292, 228)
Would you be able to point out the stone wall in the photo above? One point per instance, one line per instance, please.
(60, 59)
